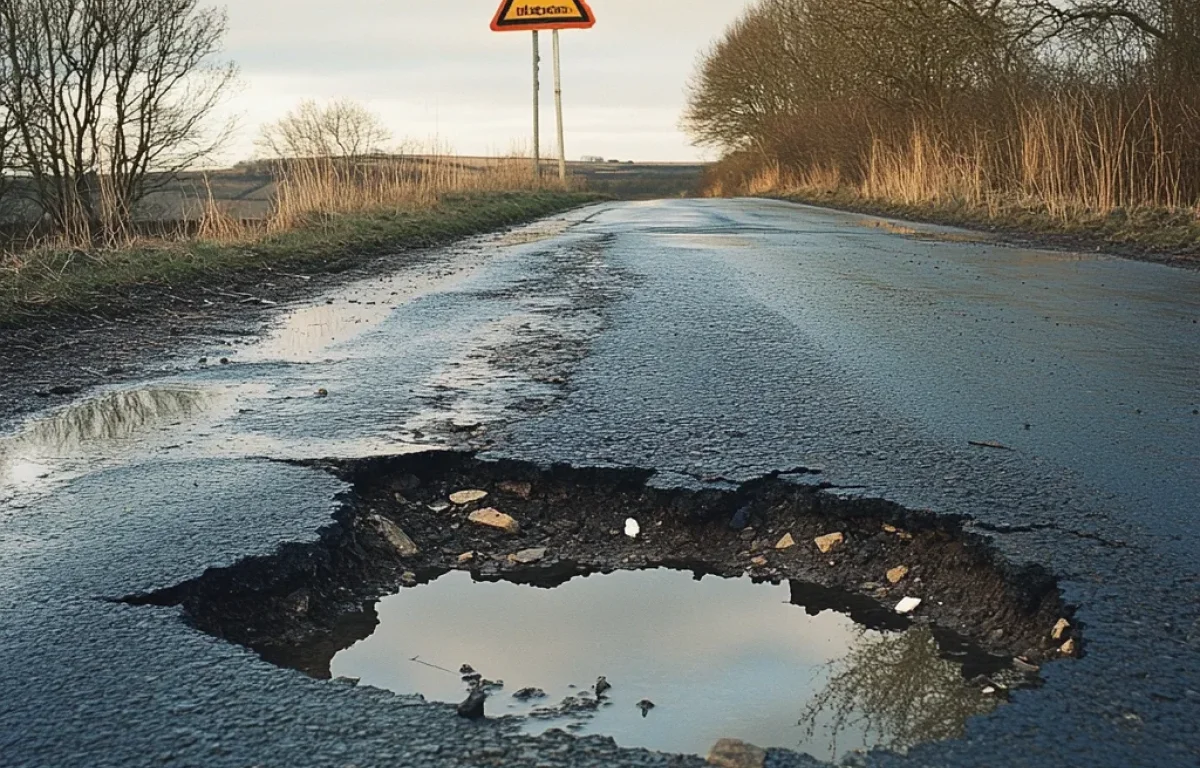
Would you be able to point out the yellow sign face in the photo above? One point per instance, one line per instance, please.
(527, 15)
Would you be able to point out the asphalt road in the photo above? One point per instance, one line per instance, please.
(693, 337)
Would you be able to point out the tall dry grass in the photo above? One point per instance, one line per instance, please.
(312, 191)
(1068, 156)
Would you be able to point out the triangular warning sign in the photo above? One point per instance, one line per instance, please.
(526, 15)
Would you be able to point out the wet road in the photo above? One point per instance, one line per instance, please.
(694, 337)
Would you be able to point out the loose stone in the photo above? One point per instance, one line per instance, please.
(787, 542)
(472, 708)
(829, 542)
(396, 538)
(494, 518)
(467, 497)
(1060, 629)
(525, 694)
(731, 753)
(759, 562)
(602, 685)
(465, 558)
(896, 575)
(528, 556)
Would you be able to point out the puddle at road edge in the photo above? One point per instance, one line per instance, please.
(719, 658)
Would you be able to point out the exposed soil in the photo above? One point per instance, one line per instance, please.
(301, 605)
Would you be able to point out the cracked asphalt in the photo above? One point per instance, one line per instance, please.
(698, 338)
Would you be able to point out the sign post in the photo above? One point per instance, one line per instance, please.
(537, 112)
(533, 16)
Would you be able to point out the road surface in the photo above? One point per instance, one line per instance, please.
(730, 337)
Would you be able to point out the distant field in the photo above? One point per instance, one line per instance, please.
(246, 191)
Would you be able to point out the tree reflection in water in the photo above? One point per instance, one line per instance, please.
(113, 416)
(897, 691)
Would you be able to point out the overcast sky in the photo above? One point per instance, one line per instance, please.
(433, 68)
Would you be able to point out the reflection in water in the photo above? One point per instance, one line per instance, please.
(894, 691)
(720, 658)
(91, 426)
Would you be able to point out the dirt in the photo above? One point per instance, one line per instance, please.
(301, 605)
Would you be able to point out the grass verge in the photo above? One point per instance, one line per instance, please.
(50, 282)
(1149, 234)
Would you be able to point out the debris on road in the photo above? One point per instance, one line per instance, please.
(787, 542)
(528, 556)
(472, 708)
(829, 542)
(462, 498)
(645, 705)
(908, 605)
(990, 444)
(466, 557)
(1070, 648)
(322, 392)
(394, 536)
(732, 753)
(632, 529)
(1023, 665)
(759, 562)
(1060, 629)
(897, 574)
(602, 685)
(494, 518)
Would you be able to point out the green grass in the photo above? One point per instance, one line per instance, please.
(48, 282)
(1147, 232)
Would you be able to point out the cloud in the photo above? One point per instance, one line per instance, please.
(435, 69)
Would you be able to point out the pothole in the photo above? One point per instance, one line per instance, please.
(910, 625)
(690, 659)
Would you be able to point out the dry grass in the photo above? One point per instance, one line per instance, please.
(323, 208)
(1113, 166)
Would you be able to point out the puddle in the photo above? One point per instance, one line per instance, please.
(929, 233)
(718, 657)
(114, 422)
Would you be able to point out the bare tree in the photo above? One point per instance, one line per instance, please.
(342, 128)
(109, 98)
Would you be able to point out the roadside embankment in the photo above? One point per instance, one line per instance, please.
(139, 278)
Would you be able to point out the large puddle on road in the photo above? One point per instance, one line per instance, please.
(717, 658)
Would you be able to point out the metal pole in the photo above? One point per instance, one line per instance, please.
(562, 149)
(537, 128)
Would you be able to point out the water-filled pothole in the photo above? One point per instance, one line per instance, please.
(716, 657)
(411, 520)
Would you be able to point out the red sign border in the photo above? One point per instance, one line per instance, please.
(532, 26)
